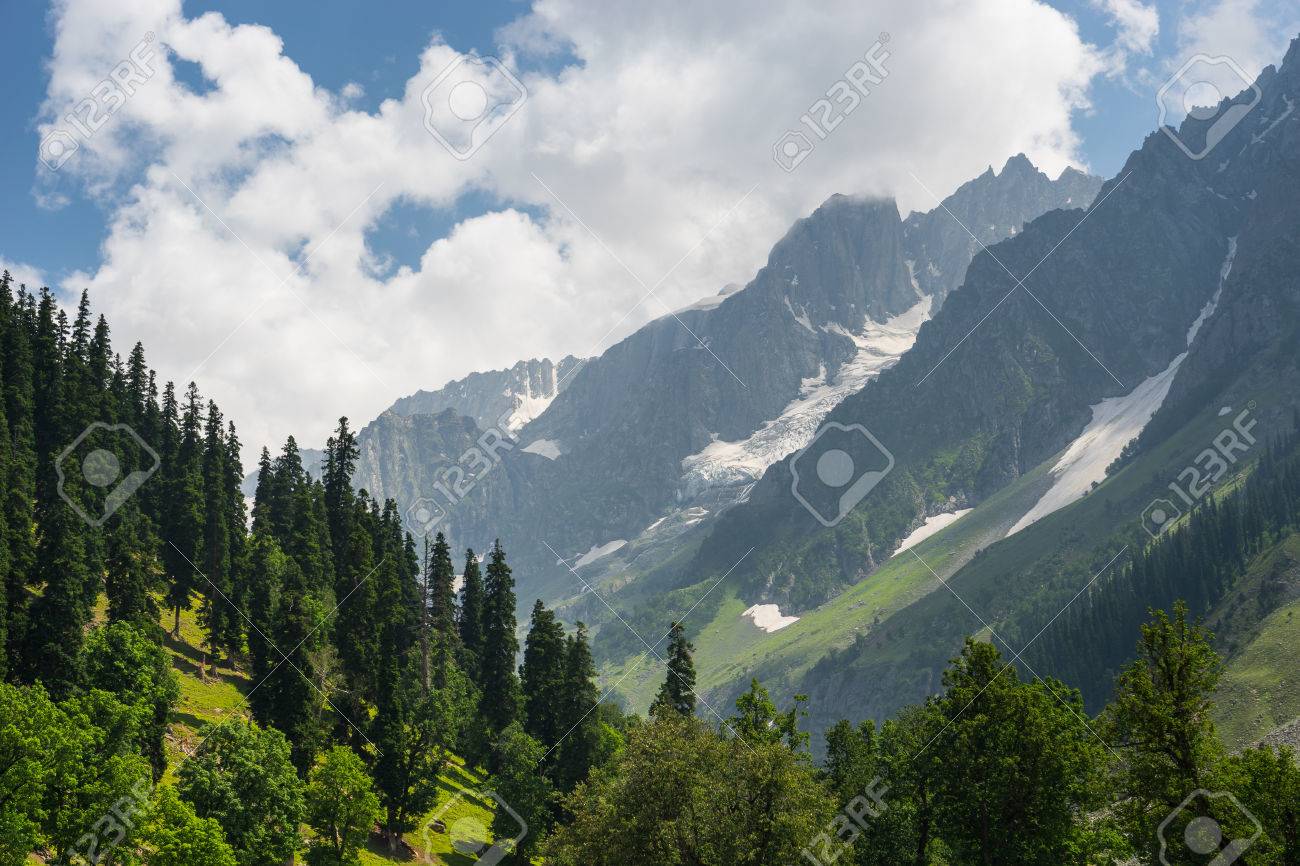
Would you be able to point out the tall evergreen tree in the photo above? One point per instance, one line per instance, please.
(470, 620)
(580, 723)
(499, 701)
(543, 677)
(678, 691)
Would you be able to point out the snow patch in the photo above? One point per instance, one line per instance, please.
(598, 551)
(1115, 422)
(548, 448)
(801, 318)
(768, 617)
(723, 463)
(930, 527)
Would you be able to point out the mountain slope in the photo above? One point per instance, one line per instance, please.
(670, 427)
(1243, 357)
(517, 395)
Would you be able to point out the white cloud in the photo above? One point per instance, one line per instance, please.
(1253, 33)
(1136, 24)
(659, 139)
(22, 274)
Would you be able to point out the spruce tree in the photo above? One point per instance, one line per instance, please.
(499, 701)
(580, 723)
(133, 572)
(470, 620)
(678, 691)
(542, 677)
(56, 630)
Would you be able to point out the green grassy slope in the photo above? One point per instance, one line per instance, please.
(1258, 629)
(729, 649)
(213, 697)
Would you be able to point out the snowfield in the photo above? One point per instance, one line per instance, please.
(1115, 422)
(548, 448)
(722, 463)
(768, 617)
(930, 527)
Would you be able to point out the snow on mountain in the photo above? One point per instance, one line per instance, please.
(931, 526)
(1115, 422)
(768, 617)
(599, 552)
(722, 463)
(548, 448)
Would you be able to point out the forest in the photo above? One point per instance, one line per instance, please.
(374, 664)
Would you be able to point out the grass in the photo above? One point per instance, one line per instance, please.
(1257, 692)
(730, 649)
(209, 696)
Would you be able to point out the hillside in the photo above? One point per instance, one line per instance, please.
(215, 697)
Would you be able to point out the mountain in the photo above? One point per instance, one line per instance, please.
(990, 207)
(646, 444)
(1184, 283)
(517, 395)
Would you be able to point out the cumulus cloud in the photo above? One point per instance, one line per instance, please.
(636, 179)
(1136, 24)
(22, 274)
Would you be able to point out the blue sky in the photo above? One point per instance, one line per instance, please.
(377, 45)
(273, 215)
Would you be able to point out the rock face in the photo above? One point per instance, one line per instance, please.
(1002, 378)
(519, 394)
(673, 425)
(992, 207)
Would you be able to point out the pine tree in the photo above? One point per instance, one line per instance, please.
(579, 723)
(499, 701)
(293, 700)
(438, 633)
(59, 616)
(220, 615)
(184, 506)
(678, 691)
(133, 571)
(470, 621)
(543, 676)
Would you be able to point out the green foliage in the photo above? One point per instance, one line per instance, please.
(1160, 724)
(121, 660)
(526, 791)
(341, 808)
(30, 737)
(170, 834)
(241, 777)
(681, 793)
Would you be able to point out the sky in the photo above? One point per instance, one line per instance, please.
(312, 209)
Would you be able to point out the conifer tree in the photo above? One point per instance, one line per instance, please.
(543, 676)
(499, 701)
(580, 723)
(678, 691)
(293, 700)
(470, 620)
(133, 572)
(56, 630)
(220, 614)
